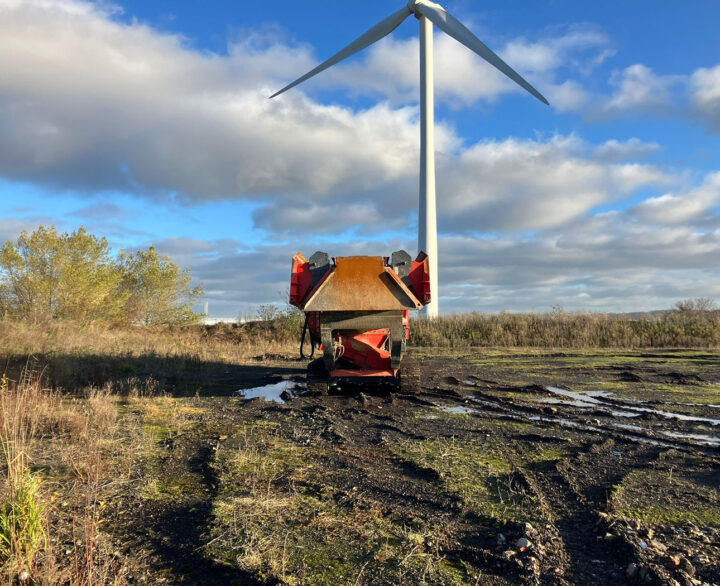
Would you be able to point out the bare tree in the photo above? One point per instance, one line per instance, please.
(697, 305)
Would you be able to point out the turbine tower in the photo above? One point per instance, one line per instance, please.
(429, 14)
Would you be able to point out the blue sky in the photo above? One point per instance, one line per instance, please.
(148, 122)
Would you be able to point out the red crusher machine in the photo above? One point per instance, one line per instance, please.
(357, 312)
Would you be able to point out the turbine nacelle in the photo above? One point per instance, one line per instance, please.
(413, 6)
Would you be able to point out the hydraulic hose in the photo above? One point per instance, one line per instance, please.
(302, 340)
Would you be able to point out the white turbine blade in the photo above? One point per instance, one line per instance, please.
(446, 22)
(376, 33)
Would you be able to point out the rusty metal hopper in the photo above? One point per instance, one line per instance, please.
(361, 283)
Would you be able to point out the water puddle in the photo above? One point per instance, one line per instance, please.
(599, 393)
(586, 400)
(699, 405)
(698, 437)
(622, 426)
(628, 427)
(458, 409)
(573, 403)
(679, 416)
(706, 439)
(564, 422)
(592, 399)
(624, 414)
(272, 392)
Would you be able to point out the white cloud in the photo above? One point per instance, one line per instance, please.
(706, 85)
(580, 48)
(509, 184)
(705, 96)
(639, 87)
(616, 150)
(307, 217)
(607, 262)
(10, 228)
(681, 208)
(568, 96)
(532, 185)
(641, 90)
(90, 103)
(604, 263)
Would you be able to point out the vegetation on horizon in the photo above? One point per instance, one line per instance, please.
(73, 276)
(693, 323)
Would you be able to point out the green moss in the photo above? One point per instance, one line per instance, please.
(541, 454)
(156, 432)
(701, 393)
(603, 385)
(300, 539)
(162, 487)
(482, 474)
(280, 517)
(665, 497)
(673, 516)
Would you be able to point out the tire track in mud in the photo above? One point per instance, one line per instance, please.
(575, 494)
(509, 409)
(369, 468)
(173, 531)
(593, 473)
(576, 530)
(572, 553)
(576, 535)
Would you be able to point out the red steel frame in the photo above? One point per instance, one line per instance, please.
(366, 352)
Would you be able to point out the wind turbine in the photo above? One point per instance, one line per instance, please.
(428, 13)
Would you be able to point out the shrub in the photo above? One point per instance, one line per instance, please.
(49, 275)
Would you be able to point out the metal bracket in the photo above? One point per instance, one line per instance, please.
(342, 320)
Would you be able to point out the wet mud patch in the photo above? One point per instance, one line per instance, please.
(487, 476)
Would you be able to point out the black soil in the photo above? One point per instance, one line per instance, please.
(600, 498)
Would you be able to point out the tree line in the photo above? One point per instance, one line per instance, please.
(75, 276)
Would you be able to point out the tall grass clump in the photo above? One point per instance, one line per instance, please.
(23, 518)
(79, 444)
(559, 329)
(168, 357)
(23, 510)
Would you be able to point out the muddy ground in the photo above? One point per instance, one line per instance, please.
(507, 468)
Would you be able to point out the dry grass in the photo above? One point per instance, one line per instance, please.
(673, 329)
(60, 460)
(206, 343)
(66, 457)
(140, 359)
(152, 360)
(23, 511)
(281, 516)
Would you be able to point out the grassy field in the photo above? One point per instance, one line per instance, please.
(128, 459)
(189, 359)
(559, 329)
